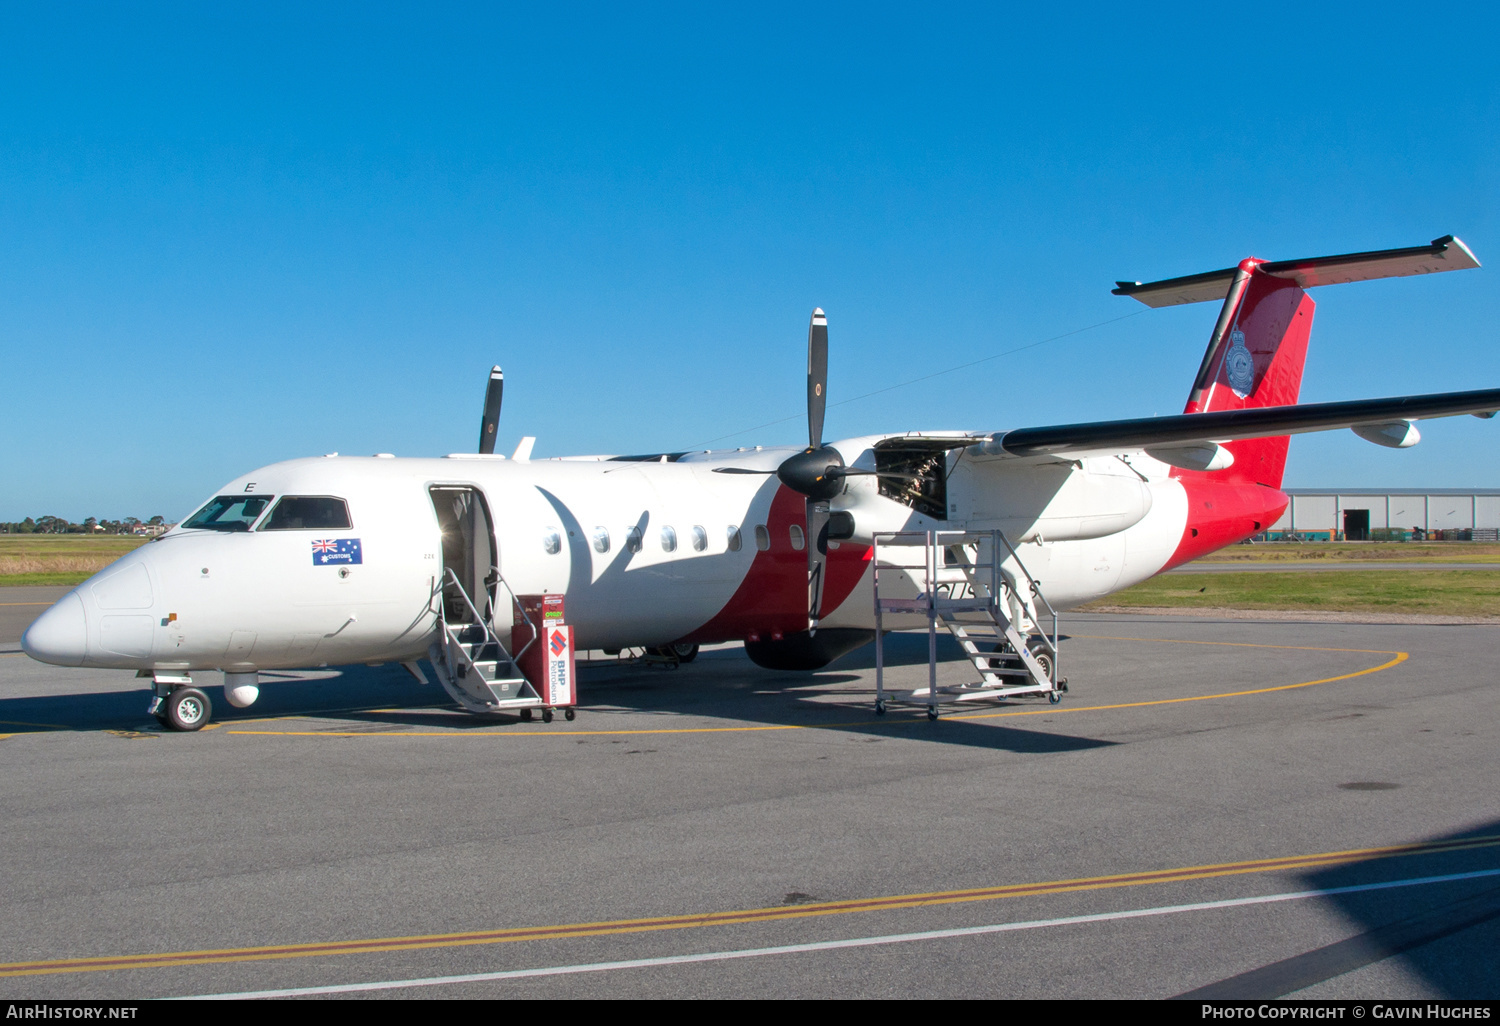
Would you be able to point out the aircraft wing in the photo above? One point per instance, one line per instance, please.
(1108, 437)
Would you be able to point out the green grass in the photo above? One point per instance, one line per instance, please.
(1441, 592)
(1398, 552)
(59, 558)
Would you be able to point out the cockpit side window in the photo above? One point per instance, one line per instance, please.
(229, 513)
(308, 513)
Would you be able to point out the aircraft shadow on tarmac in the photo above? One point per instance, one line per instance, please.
(721, 684)
(1445, 933)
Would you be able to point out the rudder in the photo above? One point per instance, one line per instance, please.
(1255, 359)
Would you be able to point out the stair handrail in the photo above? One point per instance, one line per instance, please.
(1032, 583)
(1036, 591)
(516, 602)
(450, 638)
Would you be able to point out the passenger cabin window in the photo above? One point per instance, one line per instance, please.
(601, 539)
(762, 537)
(733, 533)
(552, 541)
(308, 512)
(668, 540)
(700, 539)
(798, 541)
(229, 513)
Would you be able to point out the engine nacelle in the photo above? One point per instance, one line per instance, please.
(807, 651)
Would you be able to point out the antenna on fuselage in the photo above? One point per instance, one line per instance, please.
(491, 422)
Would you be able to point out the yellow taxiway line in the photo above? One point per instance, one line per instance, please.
(601, 928)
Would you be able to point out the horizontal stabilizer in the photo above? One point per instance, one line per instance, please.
(1108, 437)
(1445, 254)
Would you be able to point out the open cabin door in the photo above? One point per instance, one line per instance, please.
(468, 539)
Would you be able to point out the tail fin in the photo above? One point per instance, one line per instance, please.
(1254, 359)
(1259, 344)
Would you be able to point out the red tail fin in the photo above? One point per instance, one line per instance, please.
(1255, 359)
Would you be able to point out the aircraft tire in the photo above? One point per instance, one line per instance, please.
(188, 709)
(685, 653)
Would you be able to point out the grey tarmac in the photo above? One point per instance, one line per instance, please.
(352, 805)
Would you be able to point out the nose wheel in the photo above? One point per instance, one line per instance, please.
(184, 709)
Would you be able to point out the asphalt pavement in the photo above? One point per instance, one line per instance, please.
(1216, 807)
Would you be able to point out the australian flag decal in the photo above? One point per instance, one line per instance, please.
(328, 551)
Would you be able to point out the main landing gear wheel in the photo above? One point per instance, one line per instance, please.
(186, 709)
(570, 715)
(880, 708)
(682, 652)
(546, 715)
(931, 712)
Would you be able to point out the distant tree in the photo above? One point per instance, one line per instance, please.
(156, 521)
(130, 524)
(90, 524)
(28, 526)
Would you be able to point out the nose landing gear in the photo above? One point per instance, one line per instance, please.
(177, 705)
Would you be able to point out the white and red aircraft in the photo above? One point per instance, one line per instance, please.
(342, 560)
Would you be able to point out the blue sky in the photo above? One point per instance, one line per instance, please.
(233, 234)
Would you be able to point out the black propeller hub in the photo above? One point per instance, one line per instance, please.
(816, 473)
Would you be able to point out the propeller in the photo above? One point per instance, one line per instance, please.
(818, 471)
(491, 422)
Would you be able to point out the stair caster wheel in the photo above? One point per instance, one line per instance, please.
(1054, 696)
(186, 709)
(931, 713)
(546, 715)
(570, 715)
(526, 715)
(880, 708)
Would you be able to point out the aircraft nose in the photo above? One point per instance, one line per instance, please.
(60, 635)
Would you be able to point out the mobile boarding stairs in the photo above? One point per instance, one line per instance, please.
(974, 584)
(473, 665)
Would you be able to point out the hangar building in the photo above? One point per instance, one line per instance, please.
(1374, 514)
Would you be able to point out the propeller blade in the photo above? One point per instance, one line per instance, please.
(817, 377)
(491, 422)
(740, 470)
(851, 472)
(817, 559)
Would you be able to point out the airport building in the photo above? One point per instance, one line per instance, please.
(1378, 514)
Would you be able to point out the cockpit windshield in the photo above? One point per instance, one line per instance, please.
(229, 513)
